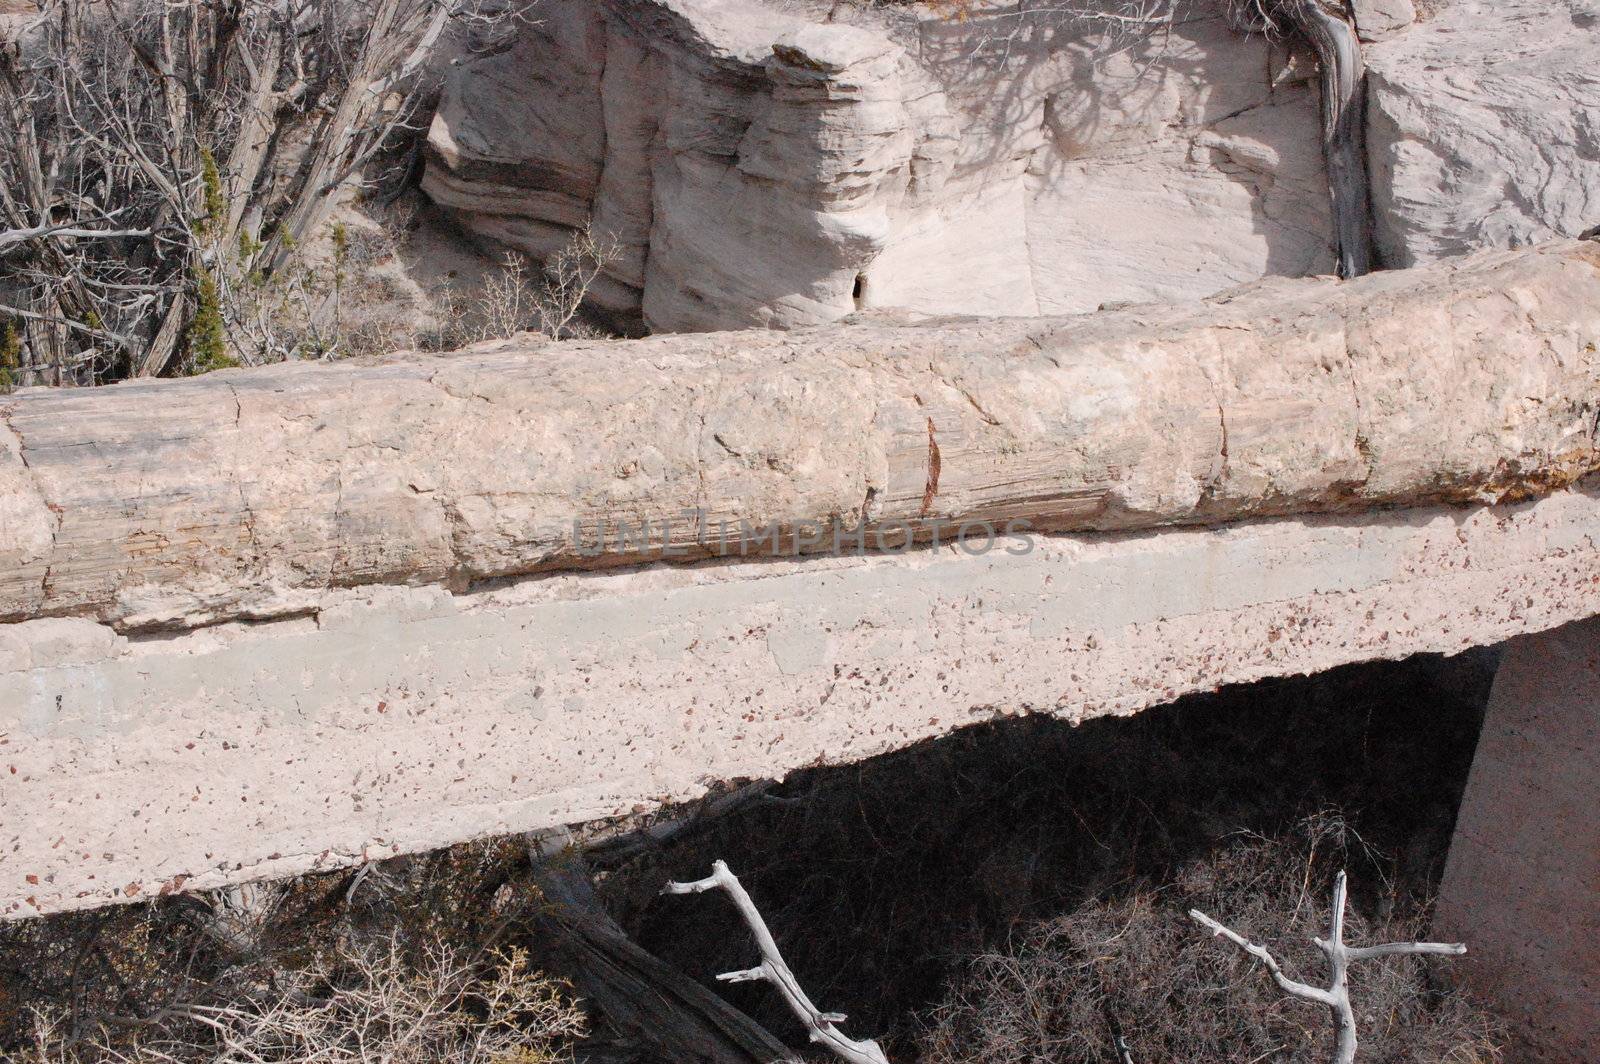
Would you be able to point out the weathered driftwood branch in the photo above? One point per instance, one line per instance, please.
(247, 494)
(772, 969)
(1327, 26)
(66, 231)
(1336, 997)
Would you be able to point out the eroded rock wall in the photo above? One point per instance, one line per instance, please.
(1484, 128)
(763, 167)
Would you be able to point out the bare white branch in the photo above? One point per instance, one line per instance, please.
(1392, 949)
(1337, 996)
(19, 236)
(1260, 953)
(774, 970)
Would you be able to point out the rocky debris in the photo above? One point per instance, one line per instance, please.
(1379, 19)
(245, 494)
(1484, 128)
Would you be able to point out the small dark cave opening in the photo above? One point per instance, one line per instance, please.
(879, 878)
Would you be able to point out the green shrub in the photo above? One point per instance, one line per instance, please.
(208, 340)
(216, 205)
(10, 358)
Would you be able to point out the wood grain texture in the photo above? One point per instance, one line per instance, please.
(245, 494)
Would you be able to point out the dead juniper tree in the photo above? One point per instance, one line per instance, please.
(1329, 27)
(1336, 996)
(161, 159)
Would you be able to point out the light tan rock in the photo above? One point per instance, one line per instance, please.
(1484, 128)
(762, 167)
(26, 525)
(246, 494)
(1378, 19)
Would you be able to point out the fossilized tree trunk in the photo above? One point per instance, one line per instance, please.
(246, 494)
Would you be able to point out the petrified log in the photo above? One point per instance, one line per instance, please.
(246, 494)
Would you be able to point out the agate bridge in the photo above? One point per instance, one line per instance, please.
(271, 621)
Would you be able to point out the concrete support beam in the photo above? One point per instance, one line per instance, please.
(395, 719)
(1522, 886)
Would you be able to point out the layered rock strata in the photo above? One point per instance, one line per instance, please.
(760, 165)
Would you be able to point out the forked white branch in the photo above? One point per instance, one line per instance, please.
(73, 231)
(1336, 998)
(772, 969)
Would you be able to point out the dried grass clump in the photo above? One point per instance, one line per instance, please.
(1137, 967)
(373, 1005)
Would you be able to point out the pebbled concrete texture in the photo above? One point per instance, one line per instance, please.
(396, 719)
(1522, 886)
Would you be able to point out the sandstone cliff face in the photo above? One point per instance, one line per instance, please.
(763, 167)
(249, 494)
(1485, 128)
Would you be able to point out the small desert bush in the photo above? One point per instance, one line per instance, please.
(1136, 966)
(373, 1005)
(522, 296)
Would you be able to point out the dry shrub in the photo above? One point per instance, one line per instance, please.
(1135, 964)
(880, 879)
(521, 296)
(373, 1005)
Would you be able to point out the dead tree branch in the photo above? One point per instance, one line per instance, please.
(164, 162)
(774, 970)
(1336, 997)
(67, 231)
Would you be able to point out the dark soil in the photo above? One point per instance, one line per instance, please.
(880, 878)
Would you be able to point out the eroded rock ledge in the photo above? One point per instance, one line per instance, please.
(248, 494)
(762, 162)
